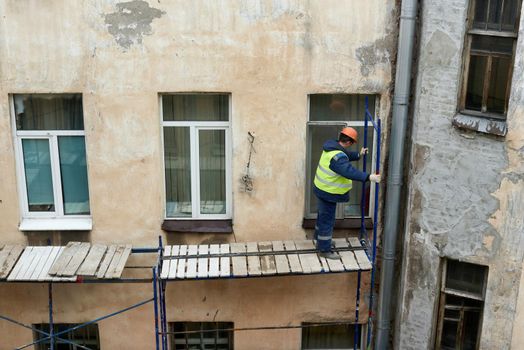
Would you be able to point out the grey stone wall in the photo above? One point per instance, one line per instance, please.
(466, 192)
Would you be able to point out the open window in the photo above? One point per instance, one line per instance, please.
(51, 160)
(328, 114)
(461, 306)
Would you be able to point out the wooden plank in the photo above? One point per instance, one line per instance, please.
(239, 262)
(192, 249)
(203, 263)
(175, 250)
(166, 263)
(9, 262)
(294, 261)
(335, 265)
(22, 265)
(36, 255)
(354, 242)
(191, 269)
(348, 259)
(340, 243)
(305, 245)
(76, 260)
(93, 260)
(181, 265)
(53, 255)
(324, 263)
(41, 263)
(278, 246)
(214, 263)
(114, 262)
(253, 261)
(310, 263)
(64, 258)
(362, 260)
(267, 262)
(225, 262)
(107, 260)
(282, 264)
(115, 270)
(172, 269)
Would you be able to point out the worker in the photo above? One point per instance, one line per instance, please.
(333, 181)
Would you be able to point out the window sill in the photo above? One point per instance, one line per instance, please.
(198, 226)
(480, 124)
(56, 224)
(340, 224)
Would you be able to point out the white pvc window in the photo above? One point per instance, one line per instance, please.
(51, 156)
(197, 155)
(328, 114)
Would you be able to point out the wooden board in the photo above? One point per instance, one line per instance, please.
(53, 255)
(76, 260)
(310, 263)
(166, 263)
(294, 261)
(191, 268)
(362, 260)
(354, 242)
(239, 262)
(340, 243)
(92, 260)
(64, 258)
(8, 258)
(348, 259)
(36, 253)
(253, 261)
(41, 263)
(305, 245)
(335, 265)
(214, 263)
(22, 264)
(181, 267)
(225, 262)
(203, 263)
(119, 261)
(107, 260)
(267, 262)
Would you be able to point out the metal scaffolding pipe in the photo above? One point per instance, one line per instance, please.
(396, 161)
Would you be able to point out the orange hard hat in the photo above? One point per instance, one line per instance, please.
(351, 133)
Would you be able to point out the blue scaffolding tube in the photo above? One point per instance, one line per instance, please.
(363, 235)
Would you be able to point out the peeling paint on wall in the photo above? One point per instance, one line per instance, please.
(131, 21)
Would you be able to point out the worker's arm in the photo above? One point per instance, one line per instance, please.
(353, 156)
(341, 165)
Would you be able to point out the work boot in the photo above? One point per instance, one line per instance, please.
(329, 255)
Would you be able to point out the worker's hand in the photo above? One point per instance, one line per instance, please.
(363, 151)
(374, 178)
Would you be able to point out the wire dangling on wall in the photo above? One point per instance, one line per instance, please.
(247, 181)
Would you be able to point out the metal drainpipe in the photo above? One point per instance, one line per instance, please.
(396, 159)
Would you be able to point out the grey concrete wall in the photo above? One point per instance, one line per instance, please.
(466, 193)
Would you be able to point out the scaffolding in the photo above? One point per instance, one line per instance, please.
(159, 284)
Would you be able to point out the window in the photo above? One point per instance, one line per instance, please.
(86, 336)
(330, 337)
(51, 158)
(201, 335)
(328, 114)
(197, 155)
(461, 305)
(490, 47)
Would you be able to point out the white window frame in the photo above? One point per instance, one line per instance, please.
(42, 221)
(194, 128)
(309, 185)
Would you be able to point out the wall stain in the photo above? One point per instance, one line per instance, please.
(131, 21)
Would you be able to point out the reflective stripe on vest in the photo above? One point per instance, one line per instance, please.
(329, 181)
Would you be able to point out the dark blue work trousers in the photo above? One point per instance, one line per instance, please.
(325, 223)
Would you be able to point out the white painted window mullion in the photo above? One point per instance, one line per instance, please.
(228, 173)
(56, 175)
(195, 173)
(22, 184)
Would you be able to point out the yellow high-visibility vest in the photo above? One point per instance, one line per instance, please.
(329, 181)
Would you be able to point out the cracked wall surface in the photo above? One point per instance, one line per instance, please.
(466, 191)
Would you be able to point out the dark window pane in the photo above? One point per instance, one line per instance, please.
(328, 337)
(195, 107)
(38, 178)
(492, 44)
(475, 84)
(465, 277)
(498, 85)
(73, 169)
(339, 107)
(212, 159)
(449, 335)
(49, 112)
(177, 162)
(201, 335)
(86, 336)
(495, 7)
(481, 14)
(470, 329)
(509, 15)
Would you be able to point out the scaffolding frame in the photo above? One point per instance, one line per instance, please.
(159, 284)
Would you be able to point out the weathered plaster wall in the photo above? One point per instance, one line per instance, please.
(120, 55)
(270, 55)
(466, 190)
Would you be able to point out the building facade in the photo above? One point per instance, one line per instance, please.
(200, 121)
(463, 242)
